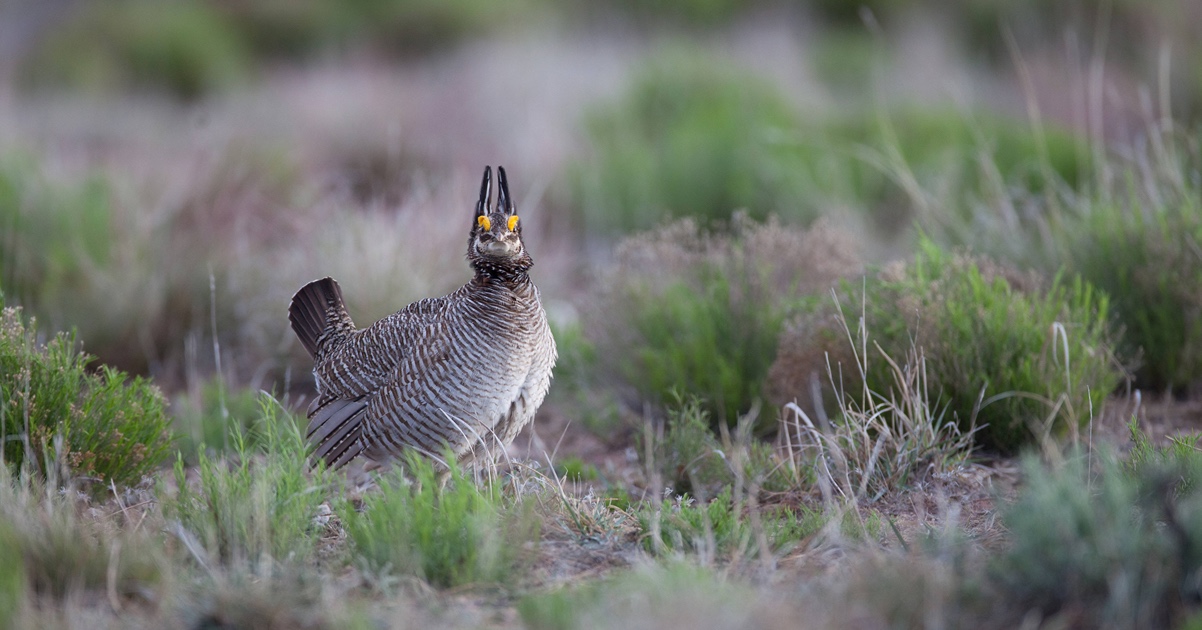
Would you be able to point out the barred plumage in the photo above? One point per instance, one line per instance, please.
(466, 371)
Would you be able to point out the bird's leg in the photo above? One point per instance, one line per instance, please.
(442, 478)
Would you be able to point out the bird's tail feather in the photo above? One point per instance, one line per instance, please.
(318, 314)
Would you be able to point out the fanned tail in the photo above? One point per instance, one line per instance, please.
(318, 314)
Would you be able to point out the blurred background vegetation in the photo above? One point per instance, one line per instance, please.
(699, 176)
(816, 269)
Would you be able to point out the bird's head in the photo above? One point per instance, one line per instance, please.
(495, 244)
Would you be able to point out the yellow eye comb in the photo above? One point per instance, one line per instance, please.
(483, 222)
(513, 222)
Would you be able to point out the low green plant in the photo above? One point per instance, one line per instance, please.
(1105, 546)
(691, 459)
(1146, 457)
(301, 29)
(452, 535)
(724, 527)
(102, 426)
(575, 469)
(1129, 227)
(695, 137)
(50, 234)
(256, 502)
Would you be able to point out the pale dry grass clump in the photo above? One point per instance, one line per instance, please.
(877, 442)
(1022, 358)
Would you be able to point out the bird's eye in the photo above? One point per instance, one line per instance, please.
(485, 237)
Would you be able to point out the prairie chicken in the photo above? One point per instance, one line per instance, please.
(466, 371)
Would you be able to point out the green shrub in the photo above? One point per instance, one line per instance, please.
(1130, 230)
(973, 154)
(1019, 364)
(449, 536)
(1149, 265)
(698, 315)
(307, 28)
(694, 13)
(257, 503)
(102, 426)
(691, 138)
(185, 48)
(1013, 359)
(1105, 547)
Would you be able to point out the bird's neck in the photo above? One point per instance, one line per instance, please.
(512, 275)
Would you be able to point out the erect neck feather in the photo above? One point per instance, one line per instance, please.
(488, 271)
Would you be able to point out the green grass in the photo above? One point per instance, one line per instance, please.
(102, 426)
(456, 535)
(254, 504)
(877, 442)
(725, 528)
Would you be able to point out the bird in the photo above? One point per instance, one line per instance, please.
(457, 375)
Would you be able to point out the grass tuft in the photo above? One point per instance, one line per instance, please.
(691, 459)
(256, 504)
(455, 535)
(879, 441)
